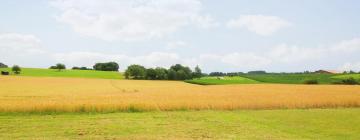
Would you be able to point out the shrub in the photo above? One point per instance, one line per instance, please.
(52, 67)
(109, 66)
(311, 82)
(257, 72)
(350, 81)
(58, 66)
(81, 68)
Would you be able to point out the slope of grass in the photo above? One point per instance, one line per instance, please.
(330, 124)
(37, 72)
(355, 76)
(291, 78)
(222, 81)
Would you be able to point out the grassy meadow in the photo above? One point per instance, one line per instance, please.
(46, 94)
(39, 72)
(292, 78)
(355, 76)
(329, 124)
(278, 78)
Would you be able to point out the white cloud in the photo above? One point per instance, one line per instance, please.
(350, 66)
(347, 46)
(260, 24)
(290, 54)
(177, 44)
(130, 20)
(245, 60)
(205, 22)
(280, 55)
(20, 49)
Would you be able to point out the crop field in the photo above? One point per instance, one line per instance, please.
(222, 80)
(45, 94)
(38, 72)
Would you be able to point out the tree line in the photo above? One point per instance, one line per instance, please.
(175, 72)
(108, 66)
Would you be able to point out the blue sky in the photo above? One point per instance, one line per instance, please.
(232, 35)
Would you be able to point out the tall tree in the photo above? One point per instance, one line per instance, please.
(16, 69)
(197, 73)
(135, 72)
(151, 74)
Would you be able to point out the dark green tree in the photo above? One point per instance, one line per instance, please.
(151, 74)
(16, 69)
(135, 72)
(161, 73)
(171, 74)
(181, 72)
(197, 73)
(60, 66)
(109, 66)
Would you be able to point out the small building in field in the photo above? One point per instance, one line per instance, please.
(4, 73)
(327, 72)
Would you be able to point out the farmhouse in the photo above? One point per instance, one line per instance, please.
(327, 72)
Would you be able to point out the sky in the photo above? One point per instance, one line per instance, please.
(227, 36)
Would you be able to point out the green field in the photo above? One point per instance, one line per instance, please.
(355, 76)
(271, 78)
(222, 81)
(38, 72)
(263, 124)
(291, 78)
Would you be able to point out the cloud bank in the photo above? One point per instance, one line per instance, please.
(259, 24)
(131, 20)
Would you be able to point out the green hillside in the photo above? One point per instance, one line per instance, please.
(37, 72)
(222, 80)
(355, 76)
(291, 78)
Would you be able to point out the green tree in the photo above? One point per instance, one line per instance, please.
(151, 74)
(16, 69)
(108, 66)
(197, 73)
(171, 74)
(181, 72)
(60, 66)
(135, 72)
(161, 73)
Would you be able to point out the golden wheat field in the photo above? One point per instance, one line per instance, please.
(31, 94)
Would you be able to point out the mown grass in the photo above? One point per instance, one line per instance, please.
(327, 124)
(292, 78)
(38, 72)
(222, 80)
(47, 94)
